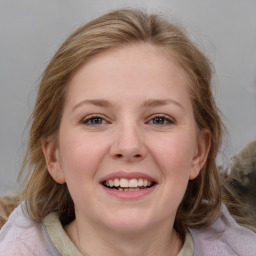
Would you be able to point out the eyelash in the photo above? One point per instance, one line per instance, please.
(88, 120)
(165, 119)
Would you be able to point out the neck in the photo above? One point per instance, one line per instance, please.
(162, 241)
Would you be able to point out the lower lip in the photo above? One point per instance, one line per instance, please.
(129, 194)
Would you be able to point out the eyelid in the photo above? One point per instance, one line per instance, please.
(168, 118)
(92, 116)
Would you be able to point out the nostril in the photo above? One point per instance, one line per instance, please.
(121, 155)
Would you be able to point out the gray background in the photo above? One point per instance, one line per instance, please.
(32, 30)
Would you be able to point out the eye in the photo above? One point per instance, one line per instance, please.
(161, 120)
(94, 120)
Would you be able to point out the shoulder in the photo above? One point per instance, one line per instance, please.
(23, 236)
(225, 237)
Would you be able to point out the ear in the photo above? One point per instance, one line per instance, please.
(52, 159)
(201, 153)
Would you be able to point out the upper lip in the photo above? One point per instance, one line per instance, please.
(127, 175)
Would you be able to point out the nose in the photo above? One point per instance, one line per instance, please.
(128, 144)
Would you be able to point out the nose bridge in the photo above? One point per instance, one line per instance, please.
(128, 143)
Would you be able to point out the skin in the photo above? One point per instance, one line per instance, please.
(146, 125)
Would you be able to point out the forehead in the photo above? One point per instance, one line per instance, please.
(130, 67)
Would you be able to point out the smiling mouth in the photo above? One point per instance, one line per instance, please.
(128, 184)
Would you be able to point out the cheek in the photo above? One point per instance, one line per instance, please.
(80, 160)
(174, 157)
(80, 155)
(175, 153)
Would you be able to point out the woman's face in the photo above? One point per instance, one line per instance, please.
(128, 142)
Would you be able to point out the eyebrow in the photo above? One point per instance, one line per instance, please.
(96, 102)
(148, 103)
(162, 102)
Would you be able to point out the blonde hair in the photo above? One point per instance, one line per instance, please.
(202, 201)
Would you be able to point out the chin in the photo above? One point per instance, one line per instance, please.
(130, 227)
(128, 222)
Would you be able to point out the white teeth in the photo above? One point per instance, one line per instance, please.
(116, 182)
(128, 184)
(133, 183)
(111, 183)
(124, 183)
(140, 183)
(134, 189)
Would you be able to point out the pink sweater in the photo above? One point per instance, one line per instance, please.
(22, 236)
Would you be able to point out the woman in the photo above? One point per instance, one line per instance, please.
(122, 150)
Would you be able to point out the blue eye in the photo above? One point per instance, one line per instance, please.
(161, 120)
(95, 120)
